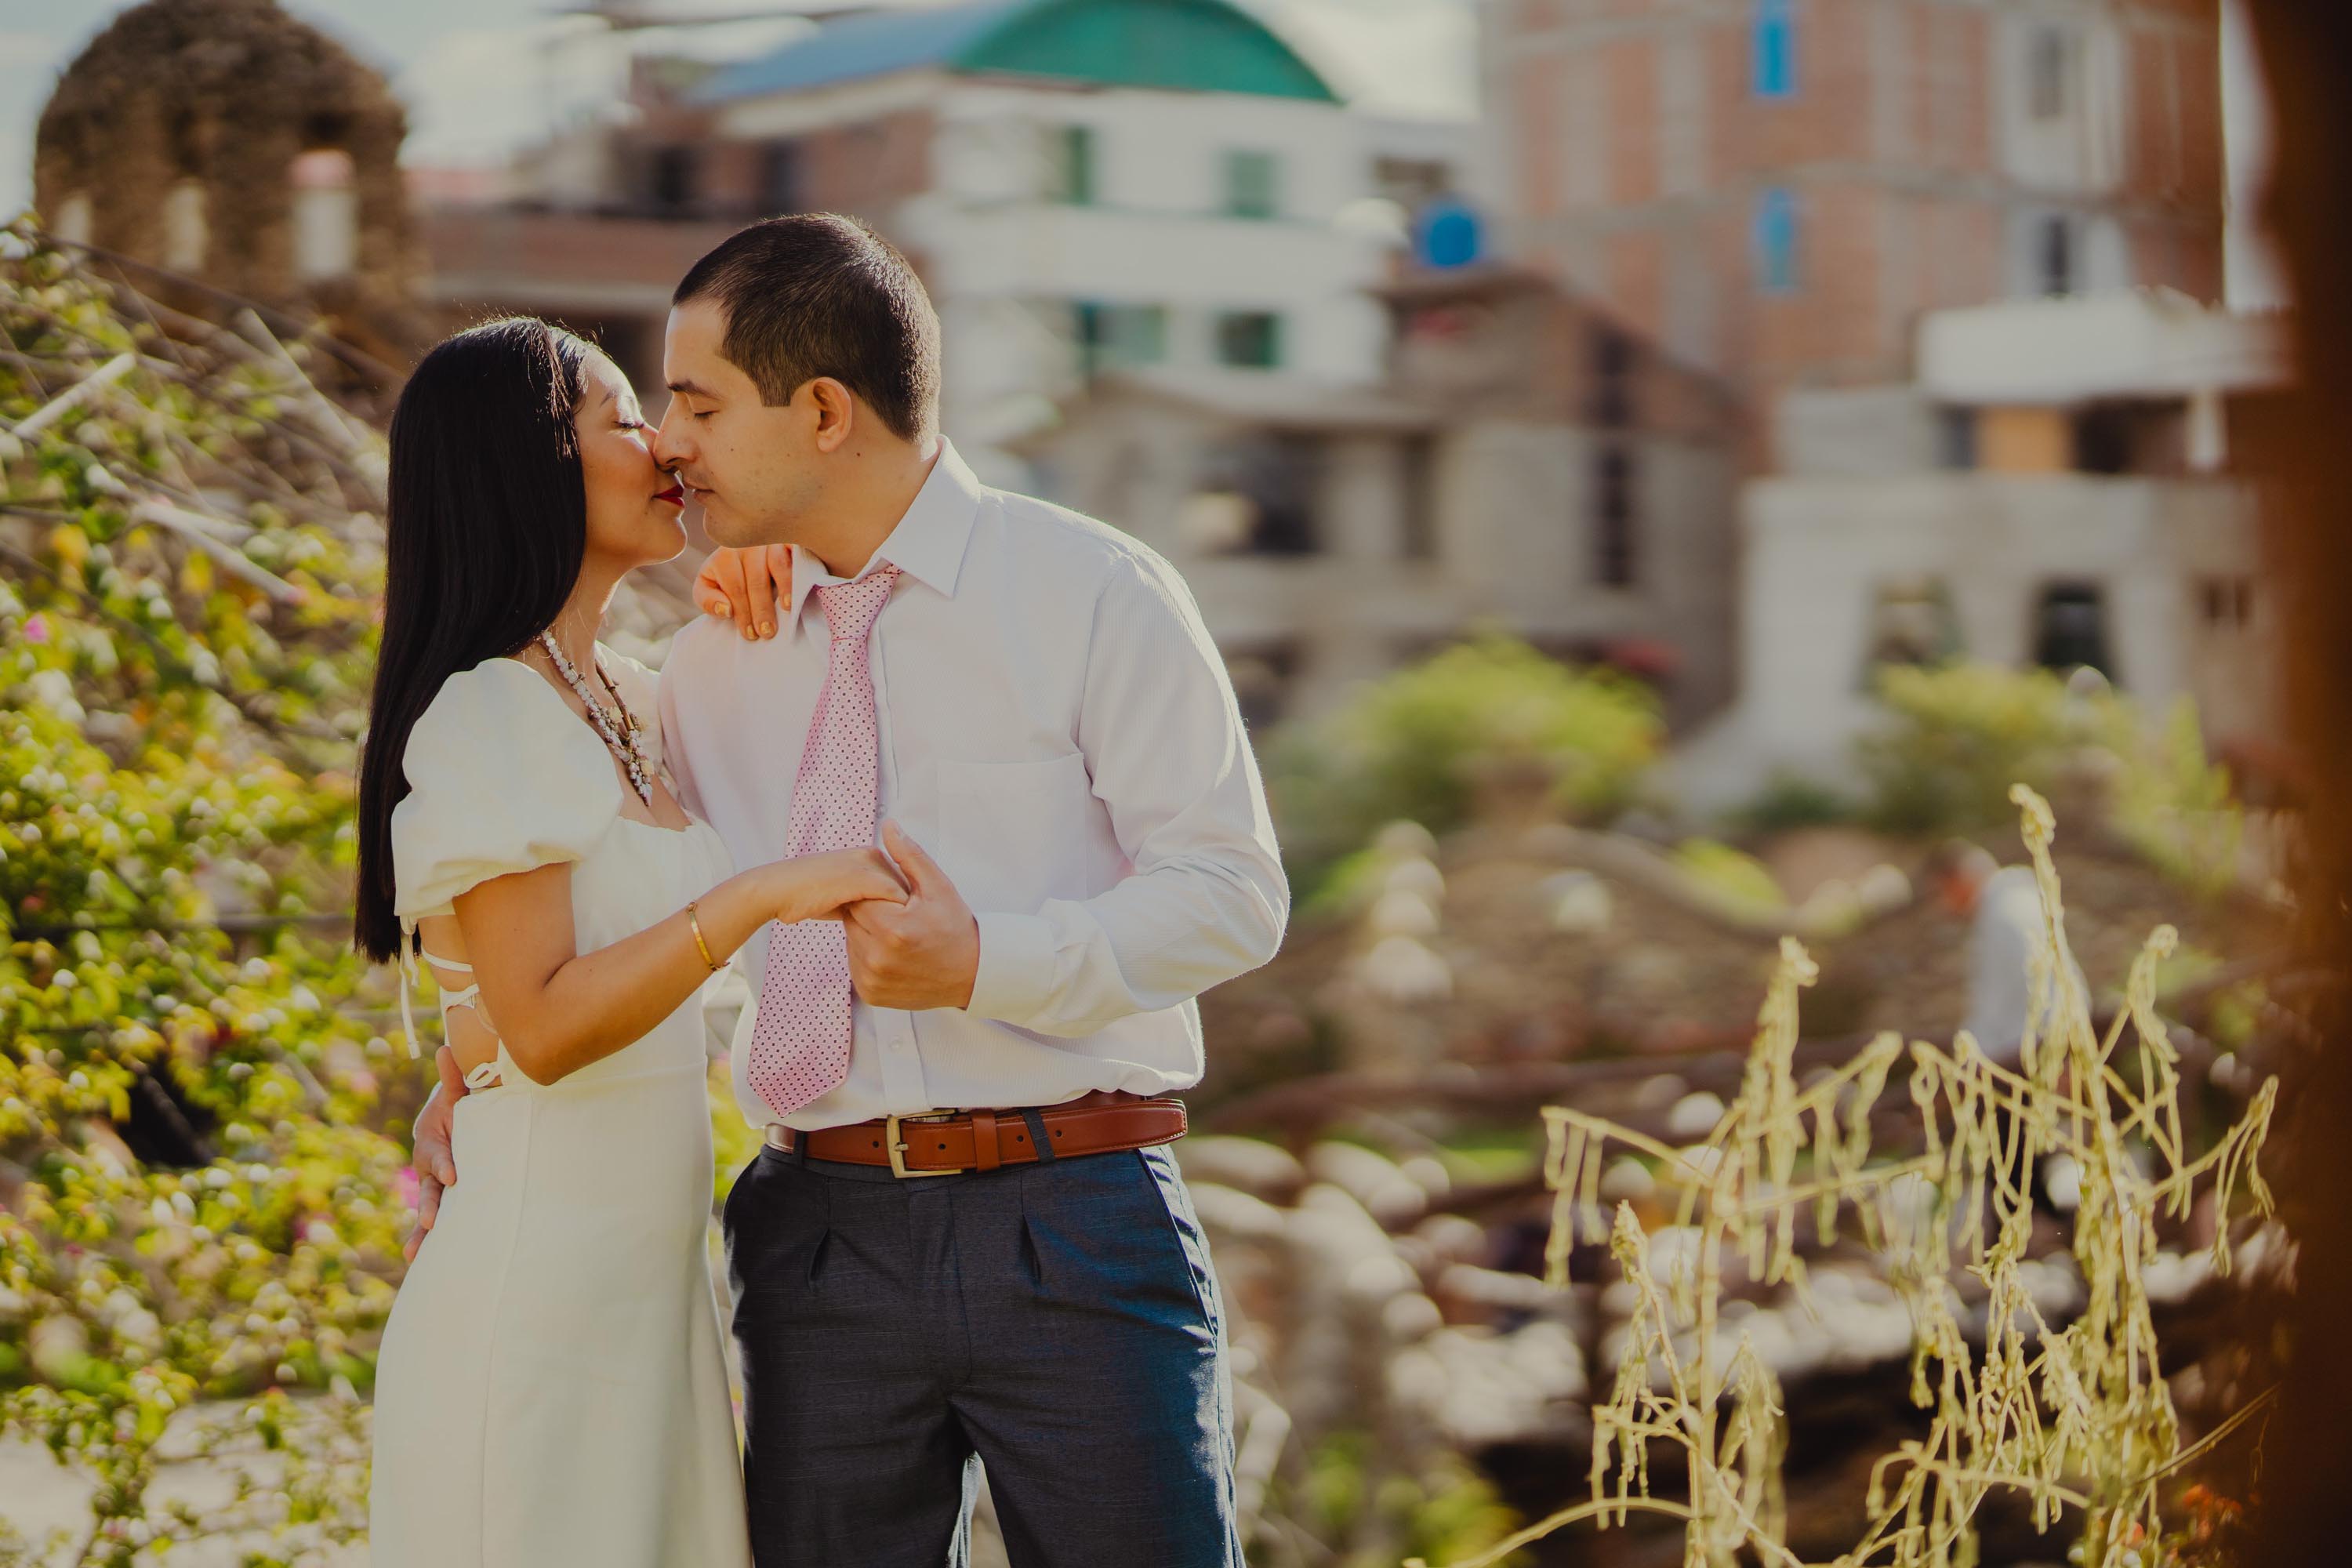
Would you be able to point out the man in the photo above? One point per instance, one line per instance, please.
(2008, 928)
(964, 1240)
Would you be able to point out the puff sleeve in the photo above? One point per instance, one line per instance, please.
(502, 777)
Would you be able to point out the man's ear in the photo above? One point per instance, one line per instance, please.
(836, 412)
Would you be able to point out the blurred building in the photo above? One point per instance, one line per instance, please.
(1083, 184)
(1526, 463)
(229, 143)
(1778, 190)
(2052, 488)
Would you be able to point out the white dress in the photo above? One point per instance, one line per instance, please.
(552, 1390)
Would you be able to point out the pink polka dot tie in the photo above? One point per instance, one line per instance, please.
(800, 1038)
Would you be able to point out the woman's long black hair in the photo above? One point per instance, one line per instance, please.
(486, 525)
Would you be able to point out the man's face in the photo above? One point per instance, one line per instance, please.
(752, 466)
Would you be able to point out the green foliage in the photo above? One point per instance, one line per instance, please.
(1790, 801)
(2175, 807)
(1416, 745)
(178, 727)
(1958, 735)
(1349, 1499)
(1738, 876)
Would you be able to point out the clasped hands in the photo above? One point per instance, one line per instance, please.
(923, 953)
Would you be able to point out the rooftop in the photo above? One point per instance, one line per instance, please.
(1199, 46)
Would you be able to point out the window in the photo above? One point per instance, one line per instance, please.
(1776, 242)
(1613, 369)
(2072, 629)
(779, 177)
(1250, 185)
(1420, 533)
(1262, 679)
(2229, 602)
(2104, 441)
(1911, 621)
(2056, 255)
(326, 216)
(1956, 437)
(1250, 339)
(1775, 49)
(672, 179)
(1073, 181)
(1276, 479)
(1113, 337)
(74, 219)
(186, 234)
(1613, 515)
(2049, 63)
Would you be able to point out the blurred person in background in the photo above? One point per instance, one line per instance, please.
(2007, 928)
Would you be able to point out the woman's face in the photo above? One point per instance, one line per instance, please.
(633, 507)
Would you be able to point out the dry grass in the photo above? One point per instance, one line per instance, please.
(2077, 1419)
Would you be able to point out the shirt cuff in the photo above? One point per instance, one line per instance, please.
(1015, 978)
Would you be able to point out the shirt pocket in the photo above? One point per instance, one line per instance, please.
(1015, 835)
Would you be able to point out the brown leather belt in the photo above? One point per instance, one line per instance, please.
(946, 1142)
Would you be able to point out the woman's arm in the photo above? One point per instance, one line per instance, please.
(558, 1009)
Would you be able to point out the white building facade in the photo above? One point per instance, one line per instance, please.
(1078, 210)
(2053, 489)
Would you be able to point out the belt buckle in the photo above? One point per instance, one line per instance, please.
(898, 1145)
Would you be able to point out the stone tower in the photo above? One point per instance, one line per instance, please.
(229, 143)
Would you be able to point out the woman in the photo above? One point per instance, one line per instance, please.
(551, 1388)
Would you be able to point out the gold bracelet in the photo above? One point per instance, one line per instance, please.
(695, 926)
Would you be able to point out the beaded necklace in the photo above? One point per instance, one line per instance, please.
(623, 736)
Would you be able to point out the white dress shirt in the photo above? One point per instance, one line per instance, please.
(1057, 731)
(2010, 929)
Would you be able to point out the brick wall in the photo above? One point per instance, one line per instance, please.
(1890, 143)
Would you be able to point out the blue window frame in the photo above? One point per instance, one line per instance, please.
(1775, 49)
(1776, 241)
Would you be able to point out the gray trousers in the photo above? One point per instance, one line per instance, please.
(1057, 1322)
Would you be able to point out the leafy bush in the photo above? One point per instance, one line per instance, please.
(1416, 745)
(2174, 805)
(1958, 735)
(180, 703)
(1789, 801)
(1737, 875)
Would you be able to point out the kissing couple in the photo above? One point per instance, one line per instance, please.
(957, 779)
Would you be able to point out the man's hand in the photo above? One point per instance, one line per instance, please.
(746, 586)
(436, 1167)
(922, 953)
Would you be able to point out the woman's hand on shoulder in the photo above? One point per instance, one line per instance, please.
(820, 887)
(746, 586)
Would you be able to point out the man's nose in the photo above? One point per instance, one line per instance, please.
(669, 445)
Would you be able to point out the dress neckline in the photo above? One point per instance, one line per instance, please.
(692, 821)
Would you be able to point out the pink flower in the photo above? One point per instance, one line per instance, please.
(404, 1186)
(36, 628)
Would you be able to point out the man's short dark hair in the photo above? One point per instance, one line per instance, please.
(814, 294)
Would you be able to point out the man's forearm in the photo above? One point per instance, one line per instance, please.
(1158, 938)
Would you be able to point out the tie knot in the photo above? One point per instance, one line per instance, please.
(850, 607)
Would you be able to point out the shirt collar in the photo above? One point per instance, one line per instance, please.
(928, 545)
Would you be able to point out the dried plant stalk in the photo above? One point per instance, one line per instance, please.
(2078, 1419)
